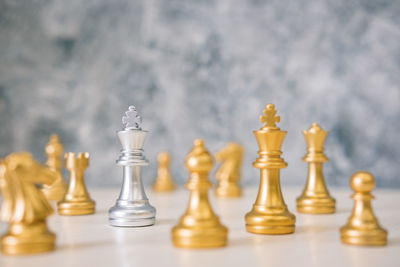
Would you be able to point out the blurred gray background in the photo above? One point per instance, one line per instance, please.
(204, 69)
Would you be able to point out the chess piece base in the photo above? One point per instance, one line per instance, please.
(30, 239)
(187, 237)
(367, 237)
(230, 190)
(71, 208)
(270, 223)
(134, 215)
(316, 205)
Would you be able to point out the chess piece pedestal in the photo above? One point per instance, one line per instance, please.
(164, 182)
(77, 200)
(362, 228)
(270, 214)
(28, 239)
(228, 175)
(132, 208)
(199, 227)
(315, 198)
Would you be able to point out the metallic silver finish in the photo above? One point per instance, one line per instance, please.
(132, 208)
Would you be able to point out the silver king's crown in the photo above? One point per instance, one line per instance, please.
(132, 120)
(132, 139)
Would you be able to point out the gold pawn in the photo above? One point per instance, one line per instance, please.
(164, 182)
(24, 206)
(199, 227)
(363, 228)
(77, 200)
(270, 214)
(315, 198)
(228, 175)
(54, 151)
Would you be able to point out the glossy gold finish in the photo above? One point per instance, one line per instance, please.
(54, 151)
(228, 175)
(77, 200)
(270, 214)
(24, 206)
(362, 228)
(315, 198)
(199, 227)
(164, 182)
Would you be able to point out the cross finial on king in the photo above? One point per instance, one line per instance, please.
(132, 120)
(269, 117)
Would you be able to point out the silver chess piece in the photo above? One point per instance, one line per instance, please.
(132, 208)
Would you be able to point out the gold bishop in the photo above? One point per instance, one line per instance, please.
(54, 151)
(199, 227)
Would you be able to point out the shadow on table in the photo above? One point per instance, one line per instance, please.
(393, 242)
(256, 239)
(246, 241)
(166, 221)
(315, 229)
(85, 245)
(101, 211)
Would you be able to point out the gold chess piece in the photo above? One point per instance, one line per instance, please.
(199, 227)
(270, 214)
(77, 200)
(164, 182)
(315, 197)
(24, 206)
(228, 175)
(363, 228)
(54, 151)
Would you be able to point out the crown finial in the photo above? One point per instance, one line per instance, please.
(315, 128)
(269, 117)
(132, 120)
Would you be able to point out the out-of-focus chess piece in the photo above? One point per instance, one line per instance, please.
(164, 182)
(363, 228)
(199, 227)
(54, 151)
(315, 197)
(228, 175)
(24, 206)
(270, 214)
(77, 200)
(133, 208)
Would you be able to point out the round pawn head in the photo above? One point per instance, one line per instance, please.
(362, 182)
(199, 159)
(164, 158)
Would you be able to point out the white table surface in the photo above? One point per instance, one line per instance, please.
(90, 241)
